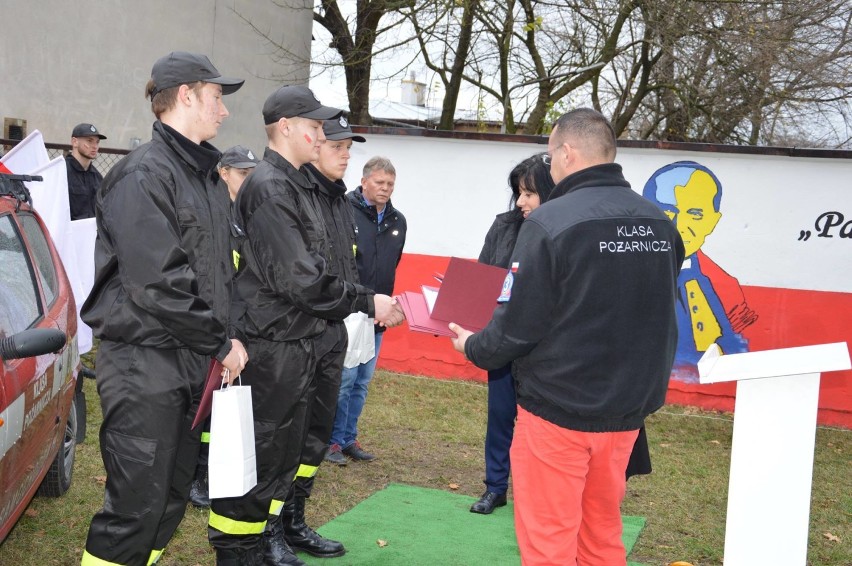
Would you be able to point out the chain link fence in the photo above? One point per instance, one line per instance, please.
(107, 157)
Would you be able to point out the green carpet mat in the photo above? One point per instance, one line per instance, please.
(428, 526)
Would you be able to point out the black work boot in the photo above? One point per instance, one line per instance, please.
(276, 552)
(301, 537)
(239, 557)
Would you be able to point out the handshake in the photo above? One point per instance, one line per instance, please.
(388, 311)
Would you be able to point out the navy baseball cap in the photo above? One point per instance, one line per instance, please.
(291, 101)
(339, 129)
(180, 67)
(239, 157)
(86, 130)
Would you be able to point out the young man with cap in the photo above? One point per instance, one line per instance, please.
(329, 196)
(160, 306)
(287, 296)
(83, 178)
(234, 166)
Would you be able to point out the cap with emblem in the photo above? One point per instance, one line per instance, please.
(239, 157)
(85, 131)
(179, 68)
(292, 101)
(339, 129)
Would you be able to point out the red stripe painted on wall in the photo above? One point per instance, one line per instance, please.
(787, 318)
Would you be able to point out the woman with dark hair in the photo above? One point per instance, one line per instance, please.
(531, 185)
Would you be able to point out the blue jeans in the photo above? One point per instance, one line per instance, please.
(352, 398)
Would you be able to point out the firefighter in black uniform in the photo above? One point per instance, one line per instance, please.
(330, 197)
(160, 306)
(285, 298)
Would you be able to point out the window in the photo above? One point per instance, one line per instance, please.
(19, 304)
(41, 254)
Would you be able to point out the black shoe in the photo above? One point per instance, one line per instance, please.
(355, 452)
(199, 494)
(488, 502)
(301, 537)
(335, 455)
(276, 551)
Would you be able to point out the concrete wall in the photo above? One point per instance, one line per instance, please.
(64, 62)
(779, 260)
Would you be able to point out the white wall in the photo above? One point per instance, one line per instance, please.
(450, 190)
(66, 62)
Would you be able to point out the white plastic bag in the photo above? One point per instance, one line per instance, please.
(362, 339)
(232, 467)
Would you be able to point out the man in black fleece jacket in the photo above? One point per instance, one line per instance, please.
(588, 317)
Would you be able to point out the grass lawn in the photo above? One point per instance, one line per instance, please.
(430, 433)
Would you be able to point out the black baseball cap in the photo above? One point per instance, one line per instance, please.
(239, 157)
(339, 129)
(85, 131)
(291, 101)
(179, 68)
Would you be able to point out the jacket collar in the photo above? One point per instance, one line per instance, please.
(331, 189)
(76, 165)
(201, 157)
(278, 161)
(604, 175)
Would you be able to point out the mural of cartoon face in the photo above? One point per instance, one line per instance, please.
(708, 298)
(690, 195)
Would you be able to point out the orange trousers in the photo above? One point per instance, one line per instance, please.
(568, 487)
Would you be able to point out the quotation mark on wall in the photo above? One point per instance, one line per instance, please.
(828, 225)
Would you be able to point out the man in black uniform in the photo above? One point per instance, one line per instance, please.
(330, 195)
(287, 296)
(160, 305)
(83, 178)
(587, 314)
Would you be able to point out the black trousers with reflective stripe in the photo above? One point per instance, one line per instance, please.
(321, 404)
(280, 375)
(149, 397)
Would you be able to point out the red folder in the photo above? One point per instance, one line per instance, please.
(468, 293)
(417, 314)
(467, 296)
(212, 383)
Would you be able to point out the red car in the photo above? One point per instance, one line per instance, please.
(39, 361)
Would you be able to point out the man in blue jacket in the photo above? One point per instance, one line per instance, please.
(591, 327)
(380, 235)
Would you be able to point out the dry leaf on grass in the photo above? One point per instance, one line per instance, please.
(454, 486)
(31, 513)
(382, 543)
(100, 479)
(831, 537)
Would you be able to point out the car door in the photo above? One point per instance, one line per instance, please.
(28, 430)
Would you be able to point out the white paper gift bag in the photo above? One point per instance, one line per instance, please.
(232, 468)
(362, 339)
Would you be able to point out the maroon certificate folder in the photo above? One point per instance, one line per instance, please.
(468, 293)
(467, 296)
(212, 383)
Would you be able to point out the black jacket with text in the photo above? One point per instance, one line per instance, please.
(162, 257)
(590, 321)
(285, 288)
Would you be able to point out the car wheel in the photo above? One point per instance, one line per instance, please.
(58, 478)
(80, 403)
